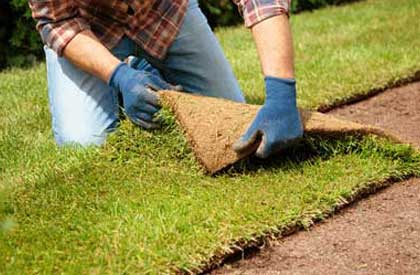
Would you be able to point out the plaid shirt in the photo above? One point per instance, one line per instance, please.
(152, 24)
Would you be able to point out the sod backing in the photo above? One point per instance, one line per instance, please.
(212, 125)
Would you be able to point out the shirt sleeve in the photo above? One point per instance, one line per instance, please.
(255, 11)
(57, 21)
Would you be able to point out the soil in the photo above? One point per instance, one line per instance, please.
(212, 125)
(397, 110)
(377, 235)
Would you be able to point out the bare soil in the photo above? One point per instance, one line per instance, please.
(397, 110)
(377, 235)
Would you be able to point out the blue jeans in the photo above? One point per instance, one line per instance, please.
(84, 109)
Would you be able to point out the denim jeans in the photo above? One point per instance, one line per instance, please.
(85, 109)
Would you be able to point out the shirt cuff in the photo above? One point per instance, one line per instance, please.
(57, 35)
(255, 11)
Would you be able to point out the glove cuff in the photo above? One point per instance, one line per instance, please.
(280, 88)
(117, 75)
(279, 79)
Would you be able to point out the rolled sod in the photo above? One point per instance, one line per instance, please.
(212, 125)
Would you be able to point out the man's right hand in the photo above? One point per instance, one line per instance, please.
(138, 88)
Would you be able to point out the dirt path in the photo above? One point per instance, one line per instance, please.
(378, 235)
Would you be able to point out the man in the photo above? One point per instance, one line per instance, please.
(87, 41)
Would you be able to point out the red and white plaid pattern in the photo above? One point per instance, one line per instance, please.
(255, 11)
(152, 24)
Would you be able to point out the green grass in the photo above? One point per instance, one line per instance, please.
(141, 204)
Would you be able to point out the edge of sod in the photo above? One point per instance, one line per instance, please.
(357, 97)
(237, 249)
(243, 247)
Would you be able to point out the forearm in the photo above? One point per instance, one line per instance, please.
(88, 54)
(274, 43)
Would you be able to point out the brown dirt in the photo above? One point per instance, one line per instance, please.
(212, 125)
(378, 235)
(397, 110)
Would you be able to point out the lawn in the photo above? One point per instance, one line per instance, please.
(141, 204)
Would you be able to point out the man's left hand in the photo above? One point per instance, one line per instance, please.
(277, 123)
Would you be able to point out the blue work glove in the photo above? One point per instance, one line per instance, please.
(138, 87)
(277, 123)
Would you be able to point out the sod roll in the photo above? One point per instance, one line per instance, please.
(212, 125)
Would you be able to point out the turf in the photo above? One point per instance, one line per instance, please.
(141, 203)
